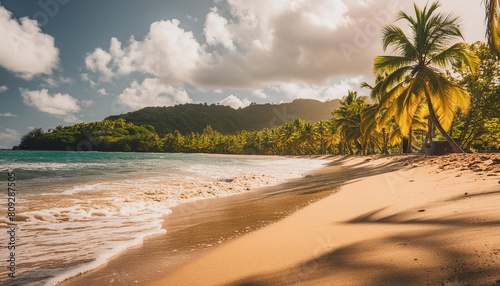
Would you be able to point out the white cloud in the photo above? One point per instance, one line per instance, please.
(216, 31)
(86, 103)
(272, 50)
(61, 105)
(3, 88)
(152, 92)
(56, 82)
(98, 62)
(320, 92)
(192, 18)
(7, 114)
(102, 91)
(167, 52)
(259, 93)
(86, 77)
(26, 50)
(235, 102)
(9, 137)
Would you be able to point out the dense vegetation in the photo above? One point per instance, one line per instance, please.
(430, 90)
(107, 135)
(189, 118)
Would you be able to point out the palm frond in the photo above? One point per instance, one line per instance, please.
(446, 97)
(388, 64)
(394, 36)
(369, 119)
(420, 119)
(458, 55)
(408, 103)
(442, 29)
(392, 79)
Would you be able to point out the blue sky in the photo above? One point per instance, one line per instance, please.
(68, 61)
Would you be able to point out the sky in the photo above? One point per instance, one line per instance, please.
(69, 61)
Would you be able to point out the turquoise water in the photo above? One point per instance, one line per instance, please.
(48, 167)
(113, 201)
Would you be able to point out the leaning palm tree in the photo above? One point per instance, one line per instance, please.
(493, 25)
(417, 74)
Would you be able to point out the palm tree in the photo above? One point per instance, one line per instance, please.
(332, 139)
(347, 119)
(417, 74)
(308, 138)
(322, 133)
(371, 123)
(373, 133)
(493, 25)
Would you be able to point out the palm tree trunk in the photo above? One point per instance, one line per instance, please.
(467, 124)
(430, 130)
(384, 145)
(410, 142)
(453, 144)
(493, 25)
(427, 142)
(351, 152)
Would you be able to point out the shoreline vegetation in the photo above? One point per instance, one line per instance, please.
(361, 220)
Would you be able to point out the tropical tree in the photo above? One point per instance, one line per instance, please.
(323, 133)
(417, 74)
(493, 25)
(309, 138)
(347, 119)
(484, 88)
(372, 123)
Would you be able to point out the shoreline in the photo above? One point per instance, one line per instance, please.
(182, 240)
(248, 257)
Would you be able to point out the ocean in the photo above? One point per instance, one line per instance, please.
(75, 210)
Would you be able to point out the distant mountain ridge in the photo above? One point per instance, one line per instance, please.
(188, 118)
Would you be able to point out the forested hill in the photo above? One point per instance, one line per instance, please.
(188, 118)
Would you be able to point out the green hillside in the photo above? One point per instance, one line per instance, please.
(188, 118)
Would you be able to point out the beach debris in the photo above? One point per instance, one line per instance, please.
(421, 211)
(466, 194)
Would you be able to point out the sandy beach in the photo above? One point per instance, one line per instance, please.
(399, 220)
